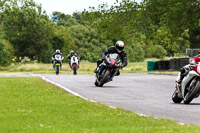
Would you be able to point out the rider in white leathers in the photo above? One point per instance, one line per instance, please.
(186, 69)
(53, 57)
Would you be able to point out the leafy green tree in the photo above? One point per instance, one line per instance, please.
(89, 42)
(178, 16)
(62, 40)
(6, 53)
(28, 28)
(63, 19)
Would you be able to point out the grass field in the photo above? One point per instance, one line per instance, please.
(85, 68)
(33, 106)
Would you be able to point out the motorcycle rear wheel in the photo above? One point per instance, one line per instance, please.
(104, 78)
(191, 94)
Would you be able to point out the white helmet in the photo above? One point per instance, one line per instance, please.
(119, 45)
(57, 51)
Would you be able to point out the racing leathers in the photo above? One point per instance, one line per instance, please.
(186, 69)
(112, 50)
(53, 58)
(69, 58)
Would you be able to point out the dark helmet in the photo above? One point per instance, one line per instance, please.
(72, 52)
(119, 45)
(57, 51)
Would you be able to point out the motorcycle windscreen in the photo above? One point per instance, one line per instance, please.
(113, 57)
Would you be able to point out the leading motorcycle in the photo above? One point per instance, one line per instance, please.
(107, 70)
(57, 63)
(190, 86)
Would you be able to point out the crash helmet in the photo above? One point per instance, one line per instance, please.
(119, 45)
(57, 51)
(72, 52)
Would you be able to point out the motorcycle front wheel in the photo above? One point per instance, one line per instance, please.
(57, 69)
(175, 97)
(192, 92)
(96, 83)
(104, 78)
(74, 69)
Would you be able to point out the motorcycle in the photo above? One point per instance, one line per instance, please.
(74, 64)
(107, 70)
(57, 63)
(190, 86)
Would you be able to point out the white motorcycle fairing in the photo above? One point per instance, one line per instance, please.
(74, 60)
(187, 79)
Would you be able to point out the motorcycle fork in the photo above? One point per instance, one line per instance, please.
(179, 91)
(192, 84)
(102, 69)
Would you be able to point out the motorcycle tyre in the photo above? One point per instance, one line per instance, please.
(74, 69)
(175, 97)
(192, 94)
(104, 78)
(57, 69)
(96, 83)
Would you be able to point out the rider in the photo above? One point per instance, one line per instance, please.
(186, 69)
(118, 49)
(53, 57)
(72, 53)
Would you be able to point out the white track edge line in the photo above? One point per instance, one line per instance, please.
(68, 90)
(76, 94)
(62, 87)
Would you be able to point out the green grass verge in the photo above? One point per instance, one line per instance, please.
(85, 68)
(32, 105)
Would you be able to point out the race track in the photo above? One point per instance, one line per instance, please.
(146, 94)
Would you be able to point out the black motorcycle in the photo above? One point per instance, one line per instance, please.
(107, 70)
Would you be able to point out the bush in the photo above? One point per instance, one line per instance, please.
(6, 53)
(155, 51)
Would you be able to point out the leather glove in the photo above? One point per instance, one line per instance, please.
(103, 58)
(120, 67)
(191, 61)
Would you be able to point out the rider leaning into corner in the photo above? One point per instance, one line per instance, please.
(118, 49)
(57, 52)
(72, 53)
(187, 68)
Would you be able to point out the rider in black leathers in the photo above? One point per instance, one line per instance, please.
(118, 49)
(72, 53)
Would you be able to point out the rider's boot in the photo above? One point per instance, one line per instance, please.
(96, 70)
(179, 81)
(118, 73)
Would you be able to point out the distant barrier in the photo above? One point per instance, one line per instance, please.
(173, 64)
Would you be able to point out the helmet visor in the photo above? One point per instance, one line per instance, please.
(119, 48)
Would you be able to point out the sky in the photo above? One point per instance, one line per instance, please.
(70, 6)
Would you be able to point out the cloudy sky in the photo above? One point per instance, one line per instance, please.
(70, 6)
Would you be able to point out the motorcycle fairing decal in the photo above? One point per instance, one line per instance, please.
(197, 59)
(197, 69)
(101, 67)
(74, 65)
(113, 62)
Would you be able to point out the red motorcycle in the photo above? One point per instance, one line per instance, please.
(107, 70)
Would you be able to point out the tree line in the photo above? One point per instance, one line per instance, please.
(151, 28)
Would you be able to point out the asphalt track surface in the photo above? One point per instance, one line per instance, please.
(146, 94)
